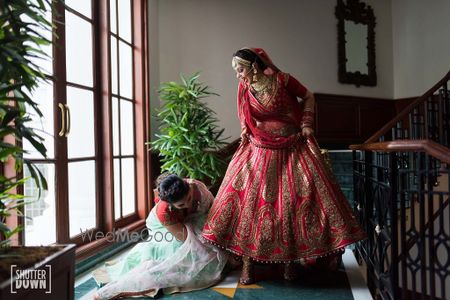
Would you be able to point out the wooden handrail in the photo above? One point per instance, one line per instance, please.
(430, 147)
(391, 124)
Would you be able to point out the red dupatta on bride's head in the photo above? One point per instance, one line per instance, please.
(259, 136)
(262, 54)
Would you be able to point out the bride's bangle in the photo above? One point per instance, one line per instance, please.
(305, 124)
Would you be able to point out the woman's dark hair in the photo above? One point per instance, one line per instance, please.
(251, 56)
(172, 188)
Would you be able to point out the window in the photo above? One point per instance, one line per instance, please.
(95, 122)
(121, 44)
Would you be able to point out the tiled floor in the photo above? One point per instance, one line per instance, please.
(346, 283)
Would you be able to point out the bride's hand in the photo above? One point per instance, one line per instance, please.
(307, 132)
(244, 136)
(96, 297)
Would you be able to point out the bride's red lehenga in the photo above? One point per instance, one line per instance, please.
(279, 201)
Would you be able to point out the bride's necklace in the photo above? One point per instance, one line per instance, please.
(264, 89)
(261, 84)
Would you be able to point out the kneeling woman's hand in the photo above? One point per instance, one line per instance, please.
(178, 230)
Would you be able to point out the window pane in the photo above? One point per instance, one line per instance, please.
(82, 204)
(81, 6)
(115, 122)
(114, 62)
(128, 198)
(125, 20)
(80, 141)
(117, 188)
(46, 63)
(40, 221)
(43, 95)
(113, 16)
(78, 50)
(126, 78)
(126, 127)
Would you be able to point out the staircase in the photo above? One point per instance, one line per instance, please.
(342, 165)
(401, 188)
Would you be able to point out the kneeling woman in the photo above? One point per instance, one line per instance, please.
(177, 262)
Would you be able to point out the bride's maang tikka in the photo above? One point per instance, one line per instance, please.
(240, 61)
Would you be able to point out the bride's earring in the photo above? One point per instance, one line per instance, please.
(255, 72)
(255, 76)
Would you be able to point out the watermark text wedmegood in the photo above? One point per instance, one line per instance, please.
(123, 235)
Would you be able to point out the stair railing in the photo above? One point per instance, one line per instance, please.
(425, 118)
(406, 216)
(401, 192)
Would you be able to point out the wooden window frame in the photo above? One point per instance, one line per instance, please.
(134, 222)
(105, 221)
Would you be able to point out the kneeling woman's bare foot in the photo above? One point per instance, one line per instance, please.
(289, 273)
(96, 297)
(247, 276)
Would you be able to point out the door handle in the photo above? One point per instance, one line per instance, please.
(63, 119)
(68, 119)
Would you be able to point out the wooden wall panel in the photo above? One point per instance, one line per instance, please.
(337, 120)
(344, 120)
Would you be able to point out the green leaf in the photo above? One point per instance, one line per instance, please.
(10, 233)
(3, 227)
(183, 80)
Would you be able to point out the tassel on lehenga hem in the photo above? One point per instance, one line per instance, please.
(302, 260)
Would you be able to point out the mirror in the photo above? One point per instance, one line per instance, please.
(356, 43)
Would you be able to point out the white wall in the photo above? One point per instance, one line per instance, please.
(300, 36)
(421, 31)
(153, 32)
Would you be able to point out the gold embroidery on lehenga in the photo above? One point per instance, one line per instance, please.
(241, 179)
(222, 217)
(329, 200)
(270, 191)
(265, 241)
(313, 220)
(287, 231)
(249, 205)
(238, 160)
(349, 226)
(328, 204)
(302, 181)
(244, 229)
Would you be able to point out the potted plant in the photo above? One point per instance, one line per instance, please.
(21, 22)
(189, 136)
